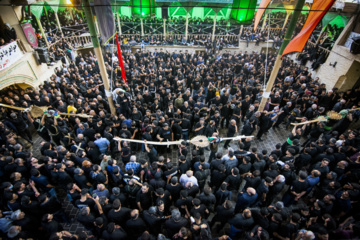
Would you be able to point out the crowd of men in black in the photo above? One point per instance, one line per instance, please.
(172, 96)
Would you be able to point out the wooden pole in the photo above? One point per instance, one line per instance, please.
(164, 27)
(142, 26)
(264, 22)
(96, 25)
(240, 33)
(98, 53)
(214, 27)
(278, 61)
(321, 33)
(119, 24)
(43, 33)
(187, 25)
(58, 22)
(286, 19)
(46, 14)
(71, 14)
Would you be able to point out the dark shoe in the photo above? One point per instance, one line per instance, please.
(259, 139)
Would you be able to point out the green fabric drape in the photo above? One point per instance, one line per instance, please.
(334, 19)
(37, 9)
(53, 4)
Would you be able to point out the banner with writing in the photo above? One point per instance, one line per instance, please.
(9, 54)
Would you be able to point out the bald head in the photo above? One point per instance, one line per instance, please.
(251, 191)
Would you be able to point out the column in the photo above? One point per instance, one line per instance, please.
(96, 25)
(240, 33)
(118, 20)
(263, 24)
(164, 27)
(58, 22)
(98, 53)
(186, 25)
(142, 26)
(43, 33)
(278, 61)
(71, 14)
(213, 32)
(286, 19)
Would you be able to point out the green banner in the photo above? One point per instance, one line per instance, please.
(37, 9)
(334, 19)
(53, 4)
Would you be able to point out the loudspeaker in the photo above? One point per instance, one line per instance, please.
(43, 55)
(44, 58)
(165, 12)
(41, 50)
(355, 46)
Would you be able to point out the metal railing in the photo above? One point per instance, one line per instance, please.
(85, 39)
(322, 49)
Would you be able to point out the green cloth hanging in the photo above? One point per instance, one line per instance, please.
(37, 9)
(53, 4)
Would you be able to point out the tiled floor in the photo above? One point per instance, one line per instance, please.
(269, 141)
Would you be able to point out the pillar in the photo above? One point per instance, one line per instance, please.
(213, 32)
(58, 22)
(98, 53)
(142, 26)
(71, 14)
(42, 33)
(118, 20)
(278, 61)
(164, 27)
(96, 25)
(286, 19)
(187, 25)
(263, 24)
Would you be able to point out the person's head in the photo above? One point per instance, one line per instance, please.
(184, 232)
(176, 215)
(302, 175)
(250, 191)
(116, 204)
(247, 213)
(134, 214)
(325, 162)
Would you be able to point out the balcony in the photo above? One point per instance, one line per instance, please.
(21, 67)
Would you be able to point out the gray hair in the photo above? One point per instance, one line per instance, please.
(133, 158)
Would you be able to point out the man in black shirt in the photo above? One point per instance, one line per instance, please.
(152, 220)
(233, 180)
(199, 128)
(118, 214)
(52, 205)
(175, 223)
(144, 197)
(232, 130)
(135, 226)
(114, 231)
(224, 212)
(184, 165)
(165, 135)
(86, 218)
(297, 189)
(218, 176)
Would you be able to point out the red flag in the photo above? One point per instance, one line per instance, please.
(121, 62)
(317, 12)
(262, 7)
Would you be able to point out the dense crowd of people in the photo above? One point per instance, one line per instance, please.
(294, 191)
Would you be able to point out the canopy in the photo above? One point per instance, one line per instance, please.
(37, 9)
(216, 5)
(334, 19)
(53, 4)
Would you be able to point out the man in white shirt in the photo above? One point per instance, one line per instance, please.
(188, 177)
